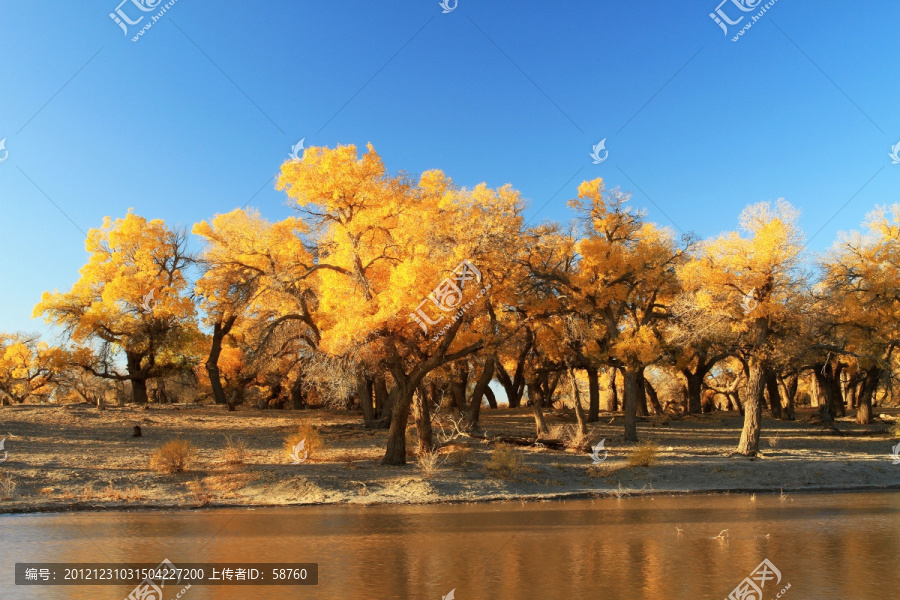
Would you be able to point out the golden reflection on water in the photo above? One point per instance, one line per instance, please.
(826, 546)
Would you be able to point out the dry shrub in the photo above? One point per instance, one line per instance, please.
(570, 435)
(460, 456)
(605, 469)
(173, 456)
(200, 492)
(429, 463)
(505, 461)
(312, 444)
(236, 450)
(87, 492)
(133, 493)
(7, 488)
(644, 455)
(895, 430)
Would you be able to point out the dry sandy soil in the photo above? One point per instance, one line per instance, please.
(78, 458)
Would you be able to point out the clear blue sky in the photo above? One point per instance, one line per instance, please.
(196, 117)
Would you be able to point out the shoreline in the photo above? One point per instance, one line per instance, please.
(608, 495)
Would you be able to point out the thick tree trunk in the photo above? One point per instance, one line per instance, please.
(385, 399)
(139, 391)
(458, 388)
(478, 393)
(576, 400)
(593, 394)
(774, 396)
(395, 452)
(789, 391)
(749, 443)
(613, 402)
(364, 392)
(694, 391)
(422, 414)
(220, 330)
(867, 391)
(535, 399)
(634, 387)
(297, 399)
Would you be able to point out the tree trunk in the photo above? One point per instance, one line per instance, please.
(220, 330)
(458, 388)
(395, 452)
(774, 396)
(576, 400)
(613, 402)
(869, 386)
(139, 391)
(694, 391)
(422, 416)
(651, 394)
(633, 392)
(478, 393)
(749, 443)
(491, 398)
(789, 391)
(593, 394)
(385, 400)
(535, 399)
(364, 392)
(297, 399)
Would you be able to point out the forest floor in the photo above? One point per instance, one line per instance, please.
(75, 457)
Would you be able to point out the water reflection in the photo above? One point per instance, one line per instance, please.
(826, 546)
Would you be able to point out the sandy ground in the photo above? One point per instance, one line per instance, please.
(78, 458)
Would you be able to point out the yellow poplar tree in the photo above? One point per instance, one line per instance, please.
(130, 302)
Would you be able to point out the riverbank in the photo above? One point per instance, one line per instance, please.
(74, 457)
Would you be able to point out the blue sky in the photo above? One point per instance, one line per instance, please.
(196, 117)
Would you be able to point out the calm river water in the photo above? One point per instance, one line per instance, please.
(834, 546)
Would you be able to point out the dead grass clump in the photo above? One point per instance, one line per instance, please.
(570, 435)
(131, 494)
(606, 470)
(7, 488)
(429, 463)
(226, 484)
(236, 450)
(460, 456)
(895, 430)
(201, 493)
(505, 461)
(173, 456)
(644, 455)
(312, 442)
